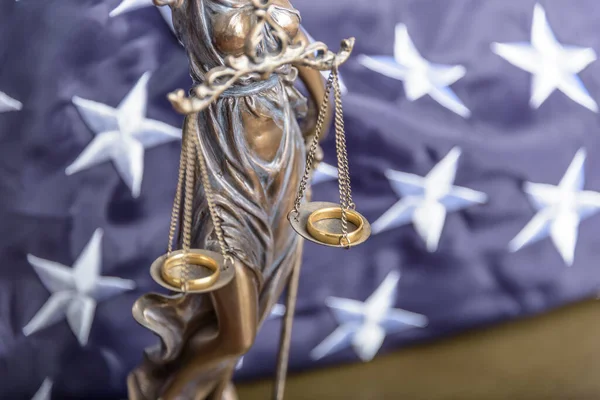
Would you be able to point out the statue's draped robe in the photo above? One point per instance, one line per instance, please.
(251, 141)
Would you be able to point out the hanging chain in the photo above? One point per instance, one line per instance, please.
(210, 198)
(177, 202)
(346, 202)
(190, 172)
(189, 191)
(310, 159)
(342, 158)
(344, 171)
(187, 174)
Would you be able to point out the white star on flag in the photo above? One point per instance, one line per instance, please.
(278, 310)
(560, 210)
(364, 325)
(126, 6)
(167, 16)
(75, 291)
(45, 391)
(7, 103)
(131, 5)
(122, 134)
(553, 65)
(324, 173)
(420, 77)
(427, 200)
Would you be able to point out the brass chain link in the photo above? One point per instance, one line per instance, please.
(210, 199)
(187, 173)
(310, 159)
(346, 202)
(342, 158)
(190, 172)
(177, 201)
(341, 134)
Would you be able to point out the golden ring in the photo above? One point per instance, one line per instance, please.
(181, 260)
(334, 238)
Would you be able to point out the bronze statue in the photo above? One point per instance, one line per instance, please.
(245, 128)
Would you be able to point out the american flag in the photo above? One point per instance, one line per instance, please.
(473, 142)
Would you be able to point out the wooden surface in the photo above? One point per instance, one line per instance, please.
(552, 357)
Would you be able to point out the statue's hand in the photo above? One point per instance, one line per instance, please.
(181, 102)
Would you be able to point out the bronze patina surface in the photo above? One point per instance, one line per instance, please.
(243, 126)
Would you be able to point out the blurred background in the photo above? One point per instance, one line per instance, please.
(474, 147)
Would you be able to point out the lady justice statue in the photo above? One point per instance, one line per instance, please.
(244, 142)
